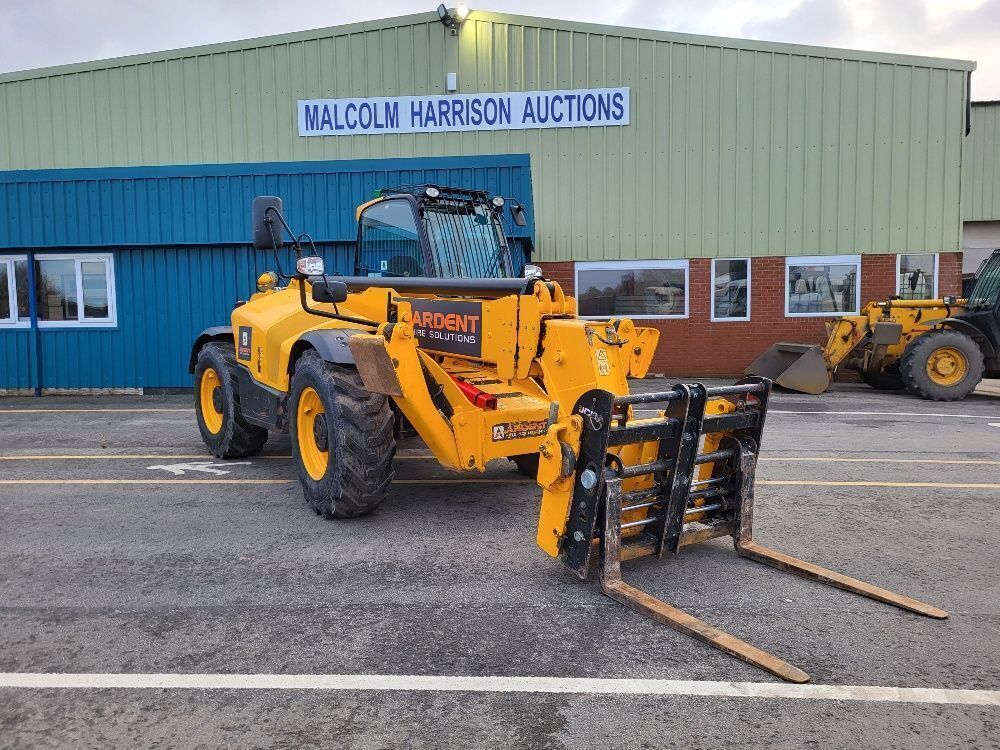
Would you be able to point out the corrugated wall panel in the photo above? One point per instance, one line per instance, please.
(179, 237)
(211, 204)
(17, 360)
(981, 165)
(149, 347)
(735, 147)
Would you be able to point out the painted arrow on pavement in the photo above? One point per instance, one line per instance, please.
(207, 467)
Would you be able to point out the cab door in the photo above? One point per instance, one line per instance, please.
(391, 240)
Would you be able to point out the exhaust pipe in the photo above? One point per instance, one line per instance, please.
(797, 367)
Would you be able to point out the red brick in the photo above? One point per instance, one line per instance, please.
(695, 346)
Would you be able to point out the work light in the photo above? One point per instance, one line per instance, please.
(310, 265)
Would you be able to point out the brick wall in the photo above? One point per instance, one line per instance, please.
(950, 274)
(695, 346)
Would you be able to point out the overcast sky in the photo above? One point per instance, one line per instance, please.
(37, 33)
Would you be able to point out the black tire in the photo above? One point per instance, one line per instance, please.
(887, 380)
(360, 444)
(914, 365)
(527, 464)
(235, 438)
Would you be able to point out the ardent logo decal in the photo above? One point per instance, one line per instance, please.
(448, 326)
(518, 430)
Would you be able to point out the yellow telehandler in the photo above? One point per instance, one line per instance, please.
(939, 348)
(483, 364)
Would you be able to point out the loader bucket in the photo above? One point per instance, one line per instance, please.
(797, 367)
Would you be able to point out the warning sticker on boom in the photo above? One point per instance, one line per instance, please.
(448, 326)
(518, 430)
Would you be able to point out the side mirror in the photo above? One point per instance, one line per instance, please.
(329, 291)
(517, 212)
(267, 229)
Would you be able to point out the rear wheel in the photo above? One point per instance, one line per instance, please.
(943, 365)
(886, 380)
(342, 439)
(217, 404)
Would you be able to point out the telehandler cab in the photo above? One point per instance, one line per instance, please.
(486, 365)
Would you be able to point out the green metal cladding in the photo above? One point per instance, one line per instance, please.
(735, 147)
(981, 165)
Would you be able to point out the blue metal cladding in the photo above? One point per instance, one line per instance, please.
(181, 257)
(209, 204)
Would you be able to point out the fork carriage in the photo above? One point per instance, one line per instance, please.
(649, 486)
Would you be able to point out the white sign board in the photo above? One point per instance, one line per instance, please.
(513, 110)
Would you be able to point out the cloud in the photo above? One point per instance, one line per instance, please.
(966, 31)
(824, 22)
(51, 32)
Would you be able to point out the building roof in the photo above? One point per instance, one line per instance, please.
(480, 15)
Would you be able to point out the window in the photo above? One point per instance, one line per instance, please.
(986, 291)
(916, 276)
(14, 292)
(389, 243)
(6, 292)
(730, 289)
(822, 285)
(465, 240)
(640, 289)
(70, 291)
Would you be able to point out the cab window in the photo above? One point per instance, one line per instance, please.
(390, 245)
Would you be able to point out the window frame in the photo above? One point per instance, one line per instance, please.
(823, 260)
(711, 300)
(666, 264)
(17, 322)
(899, 261)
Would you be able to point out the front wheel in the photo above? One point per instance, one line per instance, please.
(342, 439)
(527, 464)
(942, 365)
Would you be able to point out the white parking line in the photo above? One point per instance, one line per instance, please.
(863, 413)
(107, 410)
(886, 414)
(486, 684)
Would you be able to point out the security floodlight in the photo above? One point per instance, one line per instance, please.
(452, 19)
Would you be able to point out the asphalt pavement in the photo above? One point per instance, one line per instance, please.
(115, 559)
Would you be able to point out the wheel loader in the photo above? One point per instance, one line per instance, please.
(486, 367)
(939, 349)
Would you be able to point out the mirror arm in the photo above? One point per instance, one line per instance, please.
(271, 211)
(274, 250)
(332, 316)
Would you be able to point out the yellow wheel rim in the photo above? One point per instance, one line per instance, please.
(947, 366)
(311, 433)
(210, 398)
